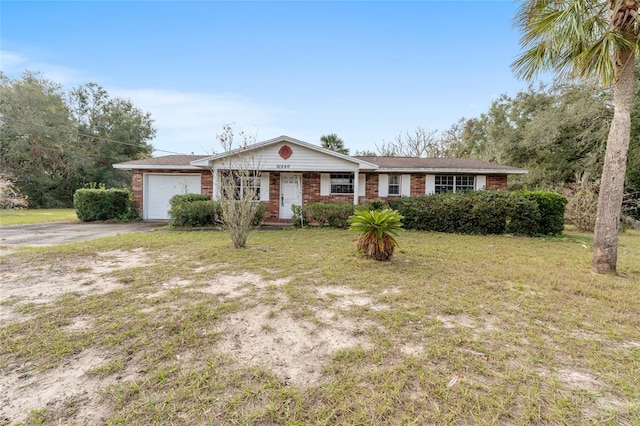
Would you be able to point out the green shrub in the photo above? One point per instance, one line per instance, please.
(261, 211)
(484, 212)
(193, 210)
(631, 205)
(335, 215)
(375, 205)
(187, 198)
(299, 220)
(551, 206)
(104, 204)
(195, 213)
(377, 229)
(523, 216)
(469, 212)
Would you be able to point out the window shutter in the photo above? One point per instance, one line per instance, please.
(383, 185)
(430, 184)
(481, 182)
(264, 186)
(325, 184)
(405, 189)
(362, 181)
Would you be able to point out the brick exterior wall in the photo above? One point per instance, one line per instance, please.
(371, 185)
(497, 182)
(418, 185)
(310, 189)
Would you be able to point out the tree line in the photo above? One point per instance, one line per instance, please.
(53, 142)
(558, 132)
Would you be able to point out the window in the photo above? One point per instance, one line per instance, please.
(394, 185)
(250, 186)
(243, 184)
(342, 183)
(449, 183)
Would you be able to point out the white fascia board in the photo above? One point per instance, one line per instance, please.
(363, 165)
(152, 166)
(433, 170)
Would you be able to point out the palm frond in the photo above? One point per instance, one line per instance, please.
(572, 38)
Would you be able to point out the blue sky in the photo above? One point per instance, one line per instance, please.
(364, 70)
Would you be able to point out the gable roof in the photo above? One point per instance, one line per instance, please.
(371, 162)
(441, 165)
(203, 162)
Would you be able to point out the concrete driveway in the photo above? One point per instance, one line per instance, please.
(48, 234)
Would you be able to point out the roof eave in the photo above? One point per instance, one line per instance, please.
(452, 170)
(153, 167)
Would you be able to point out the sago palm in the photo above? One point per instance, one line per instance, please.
(595, 40)
(377, 230)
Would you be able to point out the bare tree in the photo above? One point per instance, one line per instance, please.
(421, 143)
(366, 153)
(239, 186)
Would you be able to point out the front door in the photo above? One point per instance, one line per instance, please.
(290, 194)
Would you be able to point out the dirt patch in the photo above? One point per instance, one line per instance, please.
(43, 283)
(292, 346)
(240, 285)
(70, 388)
(294, 349)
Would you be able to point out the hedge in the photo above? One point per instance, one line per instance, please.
(551, 206)
(484, 212)
(194, 210)
(335, 215)
(104, 204)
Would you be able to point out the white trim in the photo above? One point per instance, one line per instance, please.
(383, 185)
(356, 187)
(405, 186)
(429, 184)
(154, 166)
(264, 186)
(362, 185)
(325, 184)
(481, 182)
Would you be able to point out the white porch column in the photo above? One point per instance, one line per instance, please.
(356, 186)
(216, 183)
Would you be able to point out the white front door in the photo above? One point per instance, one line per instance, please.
(290, 194)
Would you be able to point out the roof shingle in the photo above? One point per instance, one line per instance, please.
(433, 163)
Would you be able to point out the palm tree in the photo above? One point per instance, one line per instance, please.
(334, 143)
(595, 40)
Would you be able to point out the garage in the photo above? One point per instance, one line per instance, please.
(159, 188)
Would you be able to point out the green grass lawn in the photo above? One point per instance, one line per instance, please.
(24, 216)
(456, 329)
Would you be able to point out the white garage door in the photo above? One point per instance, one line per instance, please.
(159, 189)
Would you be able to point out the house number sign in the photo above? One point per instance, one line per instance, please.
(283, 166)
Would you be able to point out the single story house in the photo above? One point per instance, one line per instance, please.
(291, 172)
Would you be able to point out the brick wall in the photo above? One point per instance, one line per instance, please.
(497, 182)
(418, 185)
(371, 187)
(310, 189)
(136, 189)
